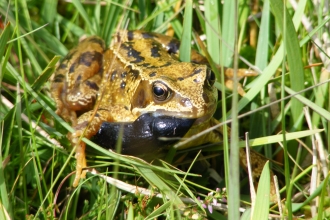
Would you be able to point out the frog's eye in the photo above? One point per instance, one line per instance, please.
(210, 77)
(161, 91)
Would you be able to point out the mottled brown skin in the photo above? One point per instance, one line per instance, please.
(139, 73)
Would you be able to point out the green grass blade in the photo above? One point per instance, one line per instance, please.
(185, 46)
(84, 15)
(153, 179)
(49, 10)
(263, 37)
(212, 28)
(323, 112)
(279, 138)
(261, 209)
(228, 25)
(293, 54)
(44, 76)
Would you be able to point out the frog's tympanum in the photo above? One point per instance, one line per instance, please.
(138, 83)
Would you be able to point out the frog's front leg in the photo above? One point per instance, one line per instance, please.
(87, 126)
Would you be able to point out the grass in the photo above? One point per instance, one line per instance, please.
(291, 94)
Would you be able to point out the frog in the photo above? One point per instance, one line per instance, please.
(137, 79)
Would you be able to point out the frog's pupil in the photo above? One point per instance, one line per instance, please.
(161, 91)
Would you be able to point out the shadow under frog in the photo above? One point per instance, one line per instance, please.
(148, 134)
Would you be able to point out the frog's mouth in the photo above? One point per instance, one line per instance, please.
(146, 135)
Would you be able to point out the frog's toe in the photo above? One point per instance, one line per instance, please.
(81, 163)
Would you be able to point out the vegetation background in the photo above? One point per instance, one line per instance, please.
(286, 42)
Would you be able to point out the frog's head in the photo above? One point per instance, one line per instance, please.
(182, 90)
(165, 85)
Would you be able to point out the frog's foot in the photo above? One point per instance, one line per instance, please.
(93, 124)
(241, 73)
(81, 163)
(230, 85)
(80, 157)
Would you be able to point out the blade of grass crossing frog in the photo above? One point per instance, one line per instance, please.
(293, 54)
(84, 15)
(261, 208)
(154, 180)
(185, 46)
(212, 28)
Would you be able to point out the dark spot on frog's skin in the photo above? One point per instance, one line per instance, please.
(180, 78)
(118, 37)
(97, 115)
(62, 66)
(152, 74)
(123, 85)
(146, 65)
(92, 85)
(113, 75)
(97, 41)
(130, 35)
(72, 68)
(155, 51)
(146, 35)
(173, 46)
(123, 74)
(132, 53)
(196, 71)
(59, 78)
(88, 57)
(78, 79)
(126, 108)
(168, 63)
